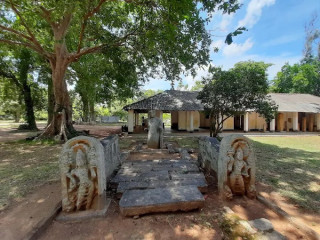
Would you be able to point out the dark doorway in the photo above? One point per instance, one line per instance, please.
(238, 122)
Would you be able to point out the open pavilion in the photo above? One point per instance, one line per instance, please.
(296, 112)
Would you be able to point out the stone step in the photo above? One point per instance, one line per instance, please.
(157, 161)
(189, 167)
(179, 176)
(145, 176)
(169, 199)
(198, 182)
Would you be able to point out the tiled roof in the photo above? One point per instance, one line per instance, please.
(174, 100)
(169, 100)
(296, 102)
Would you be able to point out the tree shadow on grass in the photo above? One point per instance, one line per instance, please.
(292, 172)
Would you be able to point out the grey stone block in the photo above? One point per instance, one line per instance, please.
(262, 224)
(200, 183)
(138, 202)
(178, 176)
(145, 176)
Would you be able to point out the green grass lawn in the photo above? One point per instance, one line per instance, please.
(292, 166)
(25, 166)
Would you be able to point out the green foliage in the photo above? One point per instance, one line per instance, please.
(238, 31)
(298, 78)
(197, 86)
(242, 88)
(165, 34)
(19, 84)
(303, 77)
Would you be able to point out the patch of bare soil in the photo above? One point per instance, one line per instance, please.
(309, 218)
(21, 218)
(9, 134)
(99, 131)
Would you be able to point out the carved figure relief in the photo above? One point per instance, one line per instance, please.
(79, 168)
(239, 170)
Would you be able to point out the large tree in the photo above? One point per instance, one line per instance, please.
(156, 36)
(113, 79)
(298, 78)
(16, 66)
(242, 88)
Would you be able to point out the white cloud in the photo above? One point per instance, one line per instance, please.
(200, 72)
(236, 49)
(226, 21)
(254, 11)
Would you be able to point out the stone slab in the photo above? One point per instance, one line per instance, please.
(169, 199)
(182, 168)
(198, 182)
(146, 176)
(178, 176)
(98, 210)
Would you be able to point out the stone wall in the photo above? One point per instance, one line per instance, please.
(111, 154)
(233, 161)
(209, 153)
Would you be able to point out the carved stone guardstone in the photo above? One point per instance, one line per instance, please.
(86, 164)
(233, 161)
(155, 133)
(82, 169)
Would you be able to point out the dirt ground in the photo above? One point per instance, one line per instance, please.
(21, 217)
(98, 131)
(202, 224)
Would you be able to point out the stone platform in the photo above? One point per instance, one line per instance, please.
(163, 185)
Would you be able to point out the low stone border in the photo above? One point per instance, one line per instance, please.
(294, 221)
(44, 224)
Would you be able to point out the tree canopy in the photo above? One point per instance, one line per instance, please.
(156, 37)
(242, 88)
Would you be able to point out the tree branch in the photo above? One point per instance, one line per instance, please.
(15, 32)
(84, 23)
(76, 56)
(34, 40)
(47, 16)
(28, 45)
(9, 75)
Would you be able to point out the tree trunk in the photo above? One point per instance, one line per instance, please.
(50, 102)
(24, 67)
(17, 115)
(85, 107)
(60, 127)
(28, 101)
(92, 114)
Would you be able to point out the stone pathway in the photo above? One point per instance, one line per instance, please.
(163, 185)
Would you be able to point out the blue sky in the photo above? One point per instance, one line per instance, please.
(276, 34)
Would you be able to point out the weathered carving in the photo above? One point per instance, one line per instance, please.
(155, 133)
(82, 168)
(233, 161)
(239, 161)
